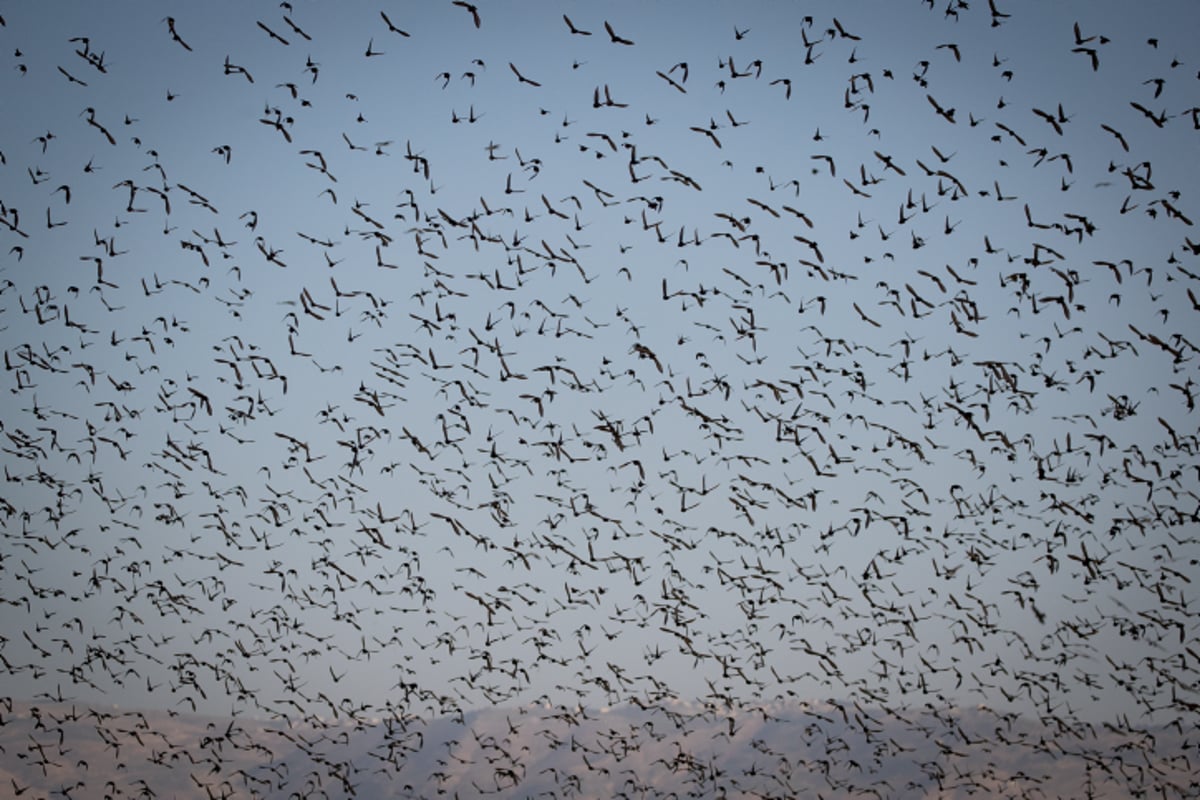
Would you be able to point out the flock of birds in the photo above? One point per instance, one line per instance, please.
(831, 405)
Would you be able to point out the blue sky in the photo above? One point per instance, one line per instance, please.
(823, 351)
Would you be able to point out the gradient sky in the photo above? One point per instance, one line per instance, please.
(486, 365)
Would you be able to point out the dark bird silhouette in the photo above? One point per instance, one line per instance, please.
(234, 69)
(91, 119)
(669, 80)
(391, 27)
(613, 37)
(571, 27)
(945, 113)
(471, 8)
(521, 78)
(1117, 135)
(175, 35)
(1092, 53)
(296, 28)
(840, 31)
(272, 33)
(1159, 119)
(71, 78)
(711, 136)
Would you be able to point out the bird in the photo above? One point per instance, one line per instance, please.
(91, 120)
(945, 113)
(571, 27)
(391, 27)
(1116, 134)
(670, 81)
(174, 34)
(613, 37)
(272, 33)
(472, 9)
(521, 78)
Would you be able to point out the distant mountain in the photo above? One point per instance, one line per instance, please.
(828, 749)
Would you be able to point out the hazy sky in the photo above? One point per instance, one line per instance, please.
(760, 351)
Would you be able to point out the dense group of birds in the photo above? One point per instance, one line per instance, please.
(573, 411)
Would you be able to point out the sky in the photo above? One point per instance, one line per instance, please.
(466, 358)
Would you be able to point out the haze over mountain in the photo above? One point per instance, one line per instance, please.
(837, 749)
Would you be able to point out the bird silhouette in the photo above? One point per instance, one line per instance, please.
(612, 35)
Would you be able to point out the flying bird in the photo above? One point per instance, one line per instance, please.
(391, 26)
(571, 27)
(471, 8)
(175, 35)
(521, 78)
(612, 35)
